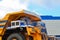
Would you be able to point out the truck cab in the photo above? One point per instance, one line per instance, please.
(18, 23)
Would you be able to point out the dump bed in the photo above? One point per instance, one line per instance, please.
(23, 13)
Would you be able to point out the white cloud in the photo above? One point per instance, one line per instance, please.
(14, 4)
(38, 2)
(7, 6)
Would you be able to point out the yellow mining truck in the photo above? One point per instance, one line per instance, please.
(21, 25)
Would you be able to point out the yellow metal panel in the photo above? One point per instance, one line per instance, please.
(1, 29)
(35, 33)
(0, 37)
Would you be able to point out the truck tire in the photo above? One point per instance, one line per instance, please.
(16, 36)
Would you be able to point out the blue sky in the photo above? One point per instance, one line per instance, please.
(46, 7)
(41, 7)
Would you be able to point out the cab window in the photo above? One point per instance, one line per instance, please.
(22, 23)
(13, 23)
(17, 23)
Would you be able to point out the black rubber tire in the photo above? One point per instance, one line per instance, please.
(17, 36)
